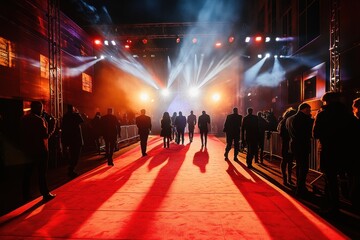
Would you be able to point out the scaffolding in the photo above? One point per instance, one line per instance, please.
(334, 47)
(55, 79)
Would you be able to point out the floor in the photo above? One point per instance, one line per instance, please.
(184, 192)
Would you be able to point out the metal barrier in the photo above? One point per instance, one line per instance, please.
(128, 133)
(272, 147)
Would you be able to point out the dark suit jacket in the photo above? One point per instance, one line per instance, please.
(143, 123)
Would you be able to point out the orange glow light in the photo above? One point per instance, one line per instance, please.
(258, 39)
(97, 42)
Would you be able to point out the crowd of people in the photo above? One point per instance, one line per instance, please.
(173, 128)
(334, 126)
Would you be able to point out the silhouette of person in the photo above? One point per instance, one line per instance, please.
(332, 127)
(191, 121)
(203, 125)
(180, 124)
(173, 129)
(34, 139)
(71, 137)
(96, 130)
(143, 122)
(165, 125)
(232, 128)
(111, 130)
(299, 127)
(250, 136)
(286, 164)
(263, 126)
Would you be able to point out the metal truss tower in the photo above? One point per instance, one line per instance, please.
(54, 40)
(334, 47)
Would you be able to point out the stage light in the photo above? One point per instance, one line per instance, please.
(267, 55)
(178, 40)
(113, 42)
(165, 92)
(128, 41)
(102, 57)
(144, 41)
(193, 92)
(97, 42)
(127, 46)
(218, 44)
(247, 39)
(215, 97)
(258, 39)
(267, 39)
(259, 55)
(231, 39)
(194, 40)
(106, 42)
(144, 96)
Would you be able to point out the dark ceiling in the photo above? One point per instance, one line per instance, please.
(160, 20)
(91, 13)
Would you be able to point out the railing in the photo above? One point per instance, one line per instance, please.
(272, 147)
(129, 133)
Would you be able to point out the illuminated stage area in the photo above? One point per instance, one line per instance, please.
(183, 192)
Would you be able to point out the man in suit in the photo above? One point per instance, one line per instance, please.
(232, 129)
(191, 121)
(143, 122)
(111, 131)
(34, 136)
(203, 125)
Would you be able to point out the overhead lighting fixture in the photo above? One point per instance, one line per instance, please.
(258, 39)
(231, 39)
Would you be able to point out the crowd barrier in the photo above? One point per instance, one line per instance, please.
(272, 147)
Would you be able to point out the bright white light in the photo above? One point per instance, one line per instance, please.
(259, 56)
(249, 94)
(275, 56)
(144, 96)
(113, 43)
(247, 39)
(165, 92)
(267, 39)
(216, 97)
(267, 55)
(102, 57)
(193, 92)
(106, 42)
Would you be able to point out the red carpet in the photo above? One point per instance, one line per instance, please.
(178, 193)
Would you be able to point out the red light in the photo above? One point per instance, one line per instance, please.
(178, 40)
(218, 44)
(258, 39)
(144, 41)
(97, 42)
(231, 39)
(194, 40)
